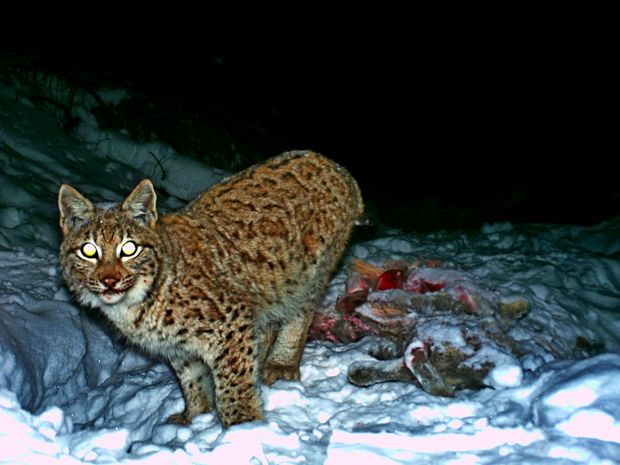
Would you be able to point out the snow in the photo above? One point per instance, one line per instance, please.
(506, 376)
(71, 392)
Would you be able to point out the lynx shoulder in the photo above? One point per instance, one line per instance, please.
(223, 289)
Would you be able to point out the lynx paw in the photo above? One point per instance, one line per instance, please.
(179, 419)
(272, 373)
(186, 416)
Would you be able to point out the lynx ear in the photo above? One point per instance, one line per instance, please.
(75, 209)
(141, 203)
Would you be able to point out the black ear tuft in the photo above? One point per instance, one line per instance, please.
(75, 209)
(141, 204)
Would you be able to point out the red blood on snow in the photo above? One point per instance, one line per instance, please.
(390, 279)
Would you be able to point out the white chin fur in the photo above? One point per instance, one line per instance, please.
(111, 299)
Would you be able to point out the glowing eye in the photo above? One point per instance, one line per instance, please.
(89, 250)
(128, 249)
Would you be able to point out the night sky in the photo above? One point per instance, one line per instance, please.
(443, 128)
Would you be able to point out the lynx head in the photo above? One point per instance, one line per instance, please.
(108, 255)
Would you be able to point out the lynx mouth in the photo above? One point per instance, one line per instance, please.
(113, 291)
(126, 286)
(112, 296)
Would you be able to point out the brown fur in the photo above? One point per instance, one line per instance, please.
(225, 288)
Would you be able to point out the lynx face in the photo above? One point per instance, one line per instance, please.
(108, 255)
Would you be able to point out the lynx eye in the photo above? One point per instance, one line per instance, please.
(89, 250)
(129, 249)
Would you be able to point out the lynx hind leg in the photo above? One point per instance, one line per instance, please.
(264, 341)
(283, 359)
(198, 390)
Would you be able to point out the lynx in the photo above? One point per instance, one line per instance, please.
(223, 289)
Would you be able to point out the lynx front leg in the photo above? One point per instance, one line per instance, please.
(197, 386)
(285, 356)
(235, 376)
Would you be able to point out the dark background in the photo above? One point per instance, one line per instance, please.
(444, 127)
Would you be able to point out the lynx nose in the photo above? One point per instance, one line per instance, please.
(110, 281)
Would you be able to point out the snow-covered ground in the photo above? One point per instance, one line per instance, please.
(71, 392)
